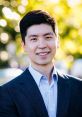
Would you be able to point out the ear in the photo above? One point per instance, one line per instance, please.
(58, 43)
(23, 46)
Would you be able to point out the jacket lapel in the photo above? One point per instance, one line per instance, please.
(31, 91)
(63, 96)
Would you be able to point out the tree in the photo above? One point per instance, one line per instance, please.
(69, 19)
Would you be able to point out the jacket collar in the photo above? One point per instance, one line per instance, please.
(63, 96)
(31, 91)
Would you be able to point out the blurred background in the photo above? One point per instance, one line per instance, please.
(68, 14)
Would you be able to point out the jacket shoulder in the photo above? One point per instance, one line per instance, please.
(17, 80)
(69, 77)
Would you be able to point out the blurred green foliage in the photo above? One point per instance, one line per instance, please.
(69, 19)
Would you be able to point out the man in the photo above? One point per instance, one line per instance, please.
(41, 91)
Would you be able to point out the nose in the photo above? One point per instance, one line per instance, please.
(42, 43)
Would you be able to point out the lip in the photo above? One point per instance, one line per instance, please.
(42, 53)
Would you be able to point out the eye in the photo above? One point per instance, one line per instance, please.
(33, 39)
(48, 37)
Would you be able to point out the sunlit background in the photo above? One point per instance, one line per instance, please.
(68, 14)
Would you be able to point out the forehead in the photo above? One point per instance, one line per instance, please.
(39, 29)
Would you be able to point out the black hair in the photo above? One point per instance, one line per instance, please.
(35, 17)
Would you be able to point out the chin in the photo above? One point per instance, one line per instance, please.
(44, 63)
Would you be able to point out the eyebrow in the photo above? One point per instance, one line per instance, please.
(35, 35)
(50, 33)
(32, 36)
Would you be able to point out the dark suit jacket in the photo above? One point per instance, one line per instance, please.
(22, 98)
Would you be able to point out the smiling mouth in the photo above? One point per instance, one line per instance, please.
(43, 53)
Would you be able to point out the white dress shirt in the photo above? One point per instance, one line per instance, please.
(48, 91)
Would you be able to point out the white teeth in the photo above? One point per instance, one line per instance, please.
(42, 54)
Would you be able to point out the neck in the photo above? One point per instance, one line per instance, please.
(45, 70)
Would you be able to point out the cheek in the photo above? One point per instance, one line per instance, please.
(53, 45)
(30, 49)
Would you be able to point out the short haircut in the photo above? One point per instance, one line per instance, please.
(36, 17)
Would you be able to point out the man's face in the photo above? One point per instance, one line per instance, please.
(40, 44)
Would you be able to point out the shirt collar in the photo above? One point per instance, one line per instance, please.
(38, 76)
